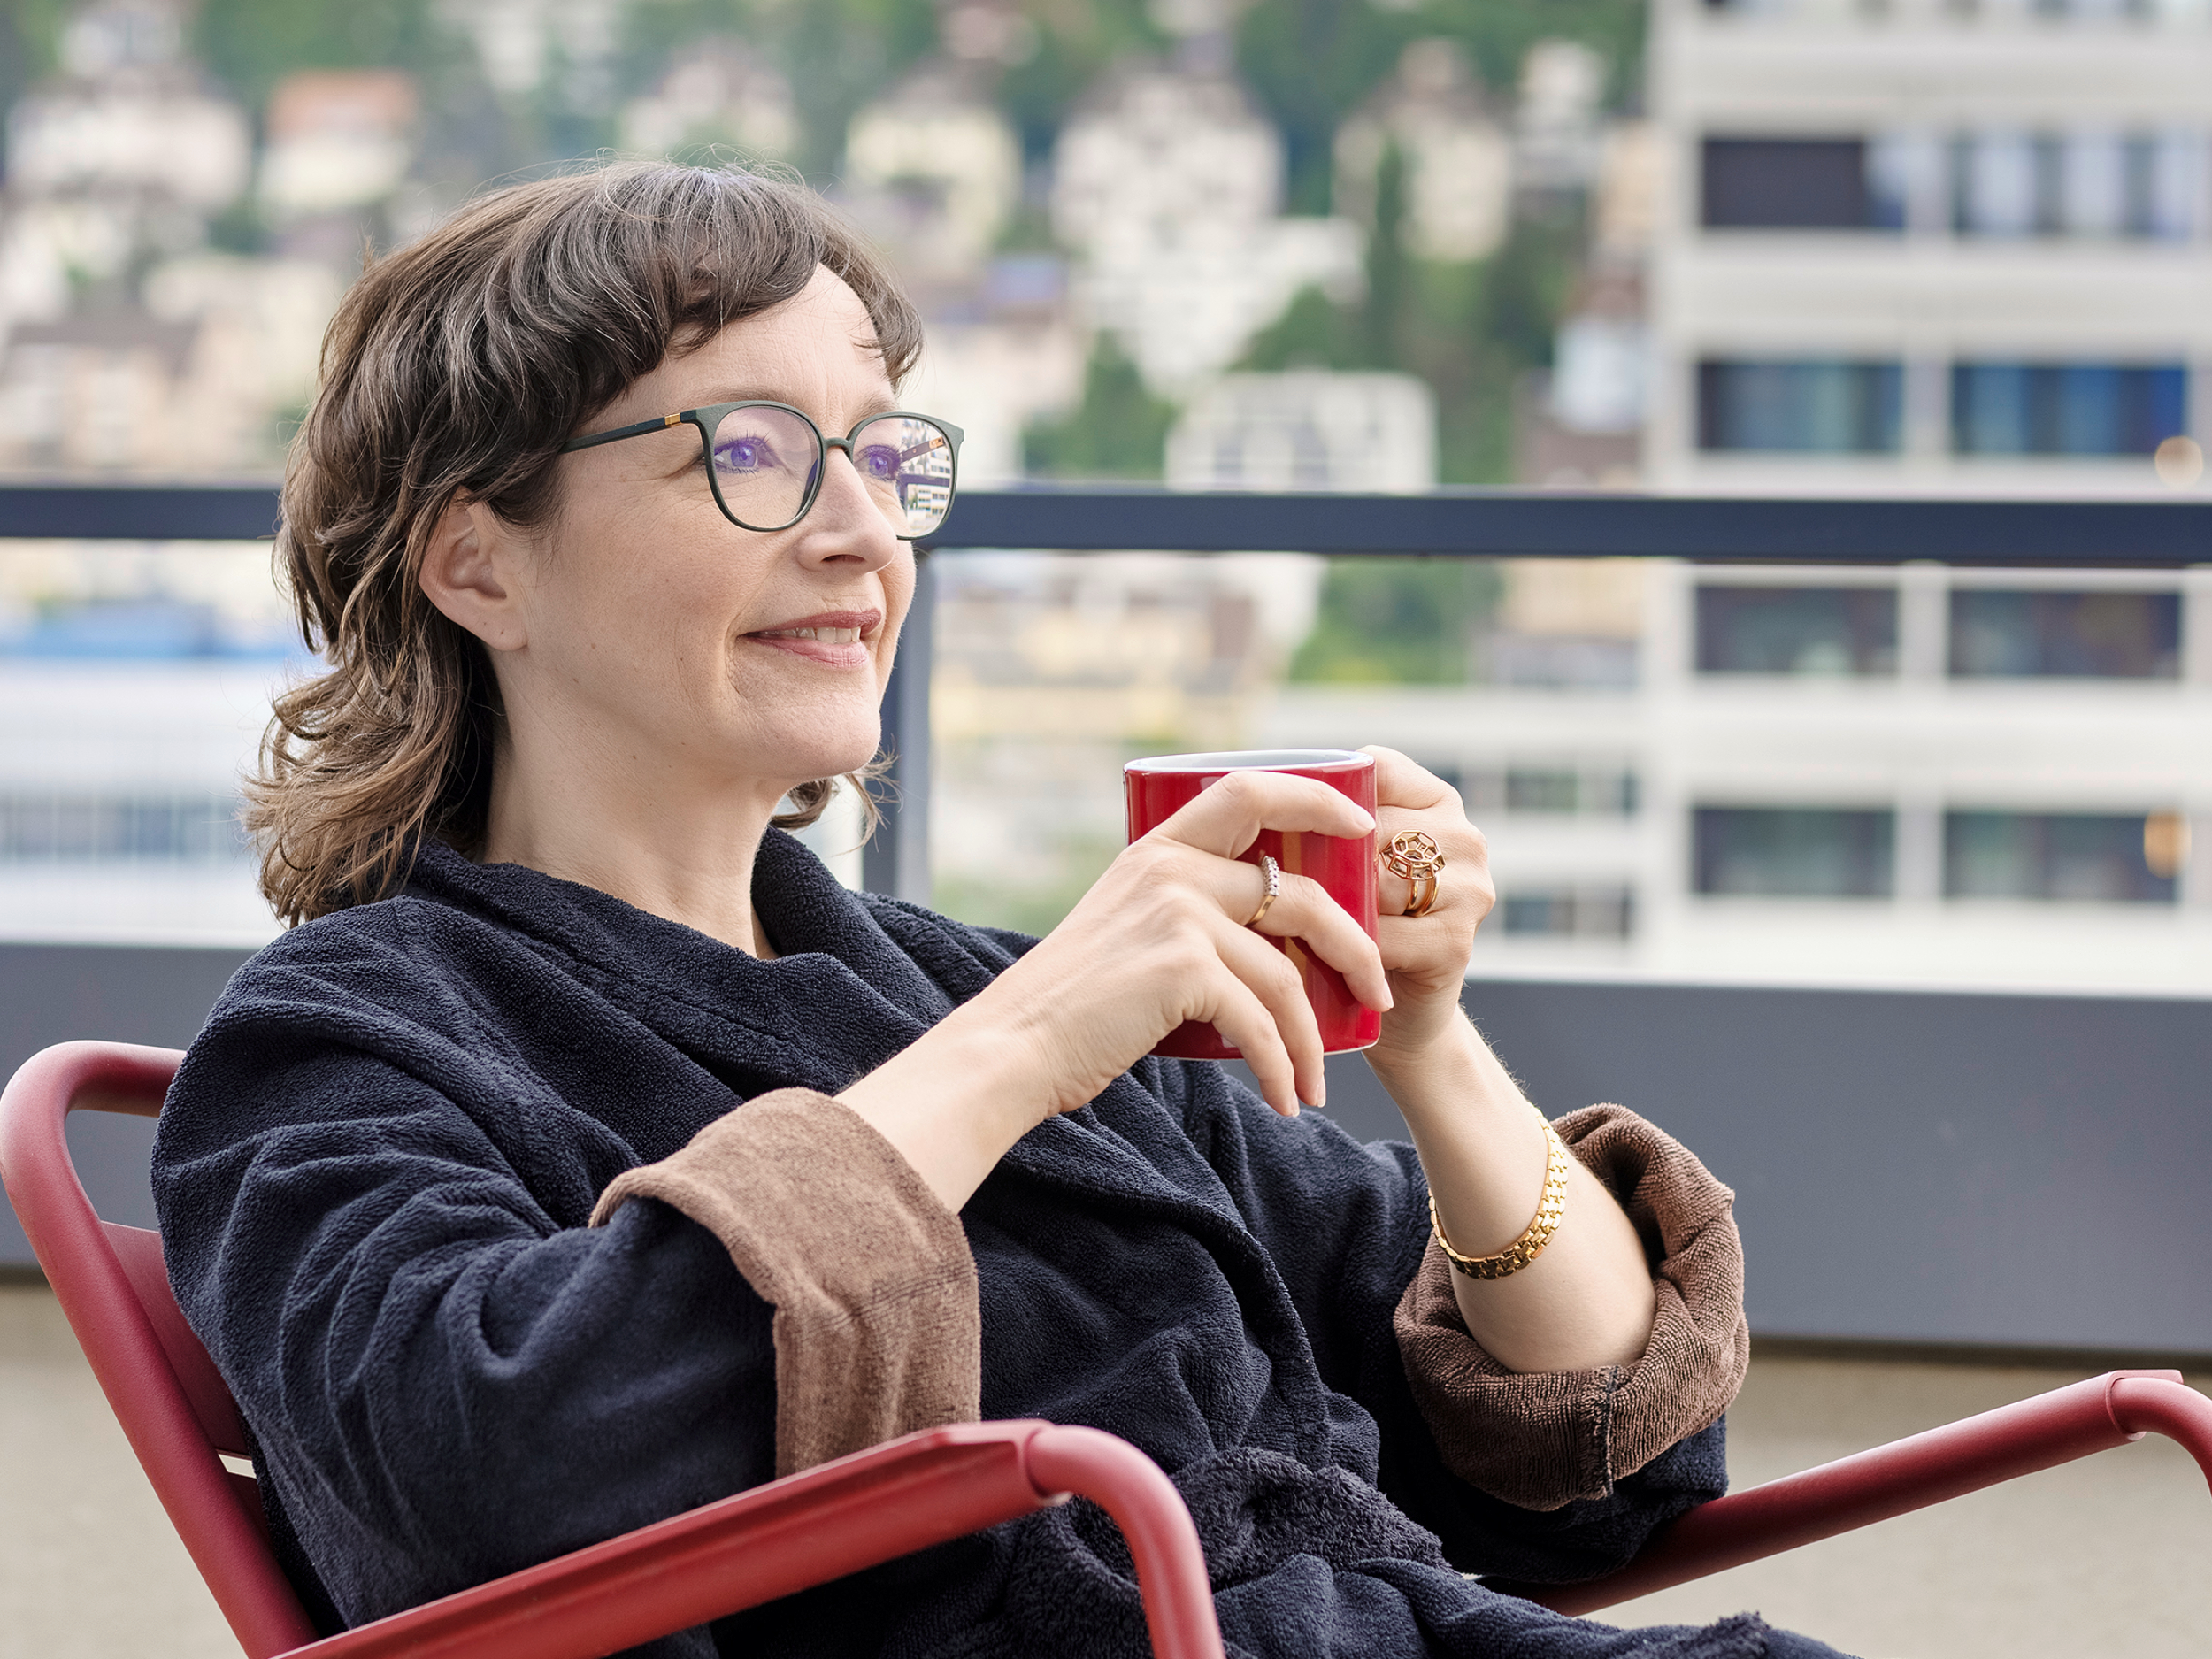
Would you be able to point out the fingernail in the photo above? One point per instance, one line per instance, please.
(1292, 1112)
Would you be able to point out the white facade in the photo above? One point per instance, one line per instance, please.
(1458, 161)
(1307, 429)
(338, 139)
(934, 172)
(2045, 200)
(722, 94)
(1169, 187)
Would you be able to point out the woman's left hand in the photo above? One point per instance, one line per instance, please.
(1426, 956)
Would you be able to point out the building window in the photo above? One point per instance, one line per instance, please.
(1793, 852)
(1796, 630)
(1792, 184)
(2066, 408)
(2017, 183)
(2125, 858)
(38, 826)
(1603, 791)
(1581, 912)
(2001, 634)
(1816, 407)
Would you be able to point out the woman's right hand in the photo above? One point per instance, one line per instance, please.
(1159, 939)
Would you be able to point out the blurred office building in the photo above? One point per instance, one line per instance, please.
(1961, 247)
(1965, 777)
(134, 681)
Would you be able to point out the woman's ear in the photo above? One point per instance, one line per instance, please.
(469, 572)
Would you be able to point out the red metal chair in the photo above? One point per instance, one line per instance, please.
(859, 1510)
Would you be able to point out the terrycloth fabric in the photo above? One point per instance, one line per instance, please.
(877, 1330)
(1543, 1440)
(374, 1174)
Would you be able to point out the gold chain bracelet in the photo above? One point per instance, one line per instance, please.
(1531, 1244)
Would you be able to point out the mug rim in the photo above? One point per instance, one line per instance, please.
(1228, 760)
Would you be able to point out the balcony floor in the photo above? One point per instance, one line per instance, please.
(2106, 1556)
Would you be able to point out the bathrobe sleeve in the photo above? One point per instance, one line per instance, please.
(1540, 1479)
(446, 1379)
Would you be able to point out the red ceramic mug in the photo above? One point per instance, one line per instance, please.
(1162, 786)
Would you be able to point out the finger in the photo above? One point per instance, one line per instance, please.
(1274, 979)
(1309, 912)
(1400, 781)
(1229, 813)
(1245, 1023)
(1423, 954)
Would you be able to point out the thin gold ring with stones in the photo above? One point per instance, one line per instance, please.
(1415, 856)
(1273, 871)
(1531, 1244)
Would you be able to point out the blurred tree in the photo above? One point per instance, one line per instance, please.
(1471, 331)
(1119, 430)
(30, 33)
(1312, 60)
(253, 44)
(838, 55)
(1408, 621)
(1076, 41)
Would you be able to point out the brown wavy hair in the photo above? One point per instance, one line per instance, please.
(456, 367)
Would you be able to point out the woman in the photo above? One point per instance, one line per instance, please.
(456, 1184)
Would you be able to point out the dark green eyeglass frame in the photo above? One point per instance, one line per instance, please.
(707, 416)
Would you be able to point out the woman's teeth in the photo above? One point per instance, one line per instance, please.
(828, 636)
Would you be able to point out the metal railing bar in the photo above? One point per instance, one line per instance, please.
(139, 513)
(1523, 524)
(2143, 534)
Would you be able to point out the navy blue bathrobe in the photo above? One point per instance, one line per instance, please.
(374, 1174)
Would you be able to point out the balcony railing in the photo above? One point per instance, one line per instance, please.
(1943, 1168)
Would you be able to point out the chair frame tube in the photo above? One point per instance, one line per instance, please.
(2076, 1421)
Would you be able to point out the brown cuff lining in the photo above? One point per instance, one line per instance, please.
(1545, 1439)
(878, 1330)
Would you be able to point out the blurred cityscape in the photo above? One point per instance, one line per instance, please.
(1798, 247)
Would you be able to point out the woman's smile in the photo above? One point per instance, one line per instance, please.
(835, 639)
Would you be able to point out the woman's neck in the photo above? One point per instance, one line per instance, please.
(666, 844)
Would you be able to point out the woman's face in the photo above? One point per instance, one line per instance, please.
(678, 643)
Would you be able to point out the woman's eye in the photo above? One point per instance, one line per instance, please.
(744, 455)
(879, 463)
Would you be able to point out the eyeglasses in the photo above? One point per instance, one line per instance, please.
(765, 461)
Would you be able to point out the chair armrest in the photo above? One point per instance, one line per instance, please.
(1852, 1492)
(807, 1529)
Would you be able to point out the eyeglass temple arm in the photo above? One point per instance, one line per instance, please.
(660, 423)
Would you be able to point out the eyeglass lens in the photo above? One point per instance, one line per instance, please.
(764, 461)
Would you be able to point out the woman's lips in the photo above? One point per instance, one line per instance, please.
(835, 641)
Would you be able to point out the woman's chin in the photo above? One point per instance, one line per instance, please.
(804, 763)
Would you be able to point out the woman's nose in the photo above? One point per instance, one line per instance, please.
(846, 522)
